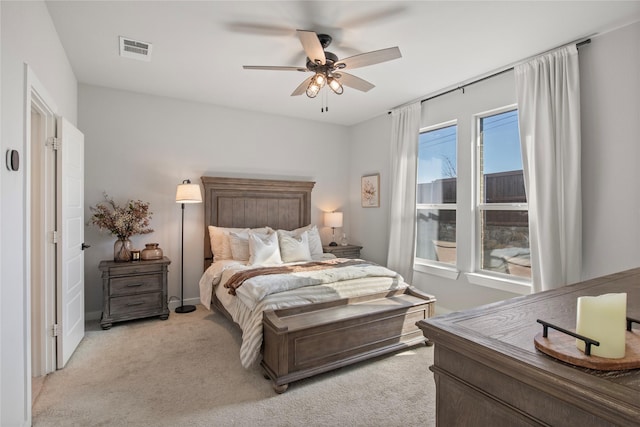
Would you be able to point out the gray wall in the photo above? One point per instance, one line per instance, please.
(369, 154)
(610, 101)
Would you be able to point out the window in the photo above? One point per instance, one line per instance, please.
(471, 208)
(502, 213)
(436, 195)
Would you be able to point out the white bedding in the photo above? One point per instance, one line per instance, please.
(250, 320)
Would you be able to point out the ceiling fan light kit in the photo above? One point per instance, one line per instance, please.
(327, 67)
(335, 86)
(317, 82)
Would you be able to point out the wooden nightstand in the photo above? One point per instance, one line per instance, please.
(133, 290)
(348, 251)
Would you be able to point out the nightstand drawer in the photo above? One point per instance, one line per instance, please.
(135, 284)
(138, 267)
(347, 251)
(131, 304)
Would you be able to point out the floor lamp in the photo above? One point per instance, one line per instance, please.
(186, 193)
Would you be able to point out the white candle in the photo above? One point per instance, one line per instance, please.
(603, 318)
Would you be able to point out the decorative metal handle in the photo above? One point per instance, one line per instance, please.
(587, 341)
(131, 304)
(134, 285)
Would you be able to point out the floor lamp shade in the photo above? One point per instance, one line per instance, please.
(185, 193)
(188, 193)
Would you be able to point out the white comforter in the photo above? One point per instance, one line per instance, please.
(275, 291)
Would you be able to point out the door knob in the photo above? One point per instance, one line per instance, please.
(84, 246)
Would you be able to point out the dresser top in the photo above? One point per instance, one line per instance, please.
(505, 332)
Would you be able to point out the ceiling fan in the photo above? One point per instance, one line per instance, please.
(327, 69)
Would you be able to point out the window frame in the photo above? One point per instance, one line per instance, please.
(425, 265)
(478, 275)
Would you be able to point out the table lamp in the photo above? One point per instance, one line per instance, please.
(333, 220)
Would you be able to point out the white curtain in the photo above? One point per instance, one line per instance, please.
(405, 130)
(548, 93)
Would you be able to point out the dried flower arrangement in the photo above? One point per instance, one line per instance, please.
(122, 221)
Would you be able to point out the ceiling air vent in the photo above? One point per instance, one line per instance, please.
(135, 49)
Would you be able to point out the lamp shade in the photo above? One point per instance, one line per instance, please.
(188, 193)
(333, 219)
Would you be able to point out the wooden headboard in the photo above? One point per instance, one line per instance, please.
(253, 203)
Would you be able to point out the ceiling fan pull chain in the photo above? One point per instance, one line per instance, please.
(326, 101)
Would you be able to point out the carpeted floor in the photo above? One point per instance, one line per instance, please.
(186, 372)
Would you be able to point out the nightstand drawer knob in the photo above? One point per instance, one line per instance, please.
(134, 285)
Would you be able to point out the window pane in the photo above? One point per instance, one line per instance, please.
(436, 235)
(505, 242)
(501, 159)
(437, 166)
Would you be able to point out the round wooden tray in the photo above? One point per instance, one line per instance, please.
(563, 347)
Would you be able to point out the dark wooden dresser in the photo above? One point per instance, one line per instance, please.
(489, 373)
(133, 290)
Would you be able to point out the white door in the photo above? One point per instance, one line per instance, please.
(70, 224)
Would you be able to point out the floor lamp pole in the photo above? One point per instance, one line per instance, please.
(183, 308)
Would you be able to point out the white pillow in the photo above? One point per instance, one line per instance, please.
(315, 244)
(239, 243)
(294, 248)
(220, 245)
(220, 241)
(264, 249)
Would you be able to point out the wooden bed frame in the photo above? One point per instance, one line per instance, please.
(303, 341)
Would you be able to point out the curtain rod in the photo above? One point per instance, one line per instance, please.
(461, 87)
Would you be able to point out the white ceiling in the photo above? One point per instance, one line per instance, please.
(199, 47)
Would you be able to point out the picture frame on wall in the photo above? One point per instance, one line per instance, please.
(370, 191)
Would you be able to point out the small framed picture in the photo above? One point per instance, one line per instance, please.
(370, 191)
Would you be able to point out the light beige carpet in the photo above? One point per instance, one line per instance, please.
(186, 372)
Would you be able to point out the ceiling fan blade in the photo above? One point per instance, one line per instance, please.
(273, 68)
(302, 88)
(354, 82)
(260, 29)
(370, 58)
(312, 46)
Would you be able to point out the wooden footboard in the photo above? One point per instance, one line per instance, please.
(300, 342)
